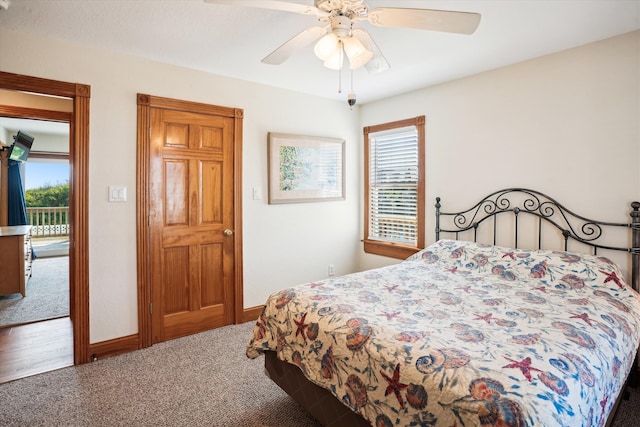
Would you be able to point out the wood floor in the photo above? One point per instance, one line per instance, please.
(35, 348)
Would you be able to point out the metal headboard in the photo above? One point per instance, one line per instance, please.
(524, 201)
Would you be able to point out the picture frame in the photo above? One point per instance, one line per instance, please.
(305, 168)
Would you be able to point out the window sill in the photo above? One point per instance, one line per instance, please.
(392, 250)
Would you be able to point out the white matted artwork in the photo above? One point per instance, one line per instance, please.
(305, 168)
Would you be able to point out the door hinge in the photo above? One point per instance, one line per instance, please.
(150, 308)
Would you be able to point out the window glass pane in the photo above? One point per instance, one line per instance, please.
(393, 184)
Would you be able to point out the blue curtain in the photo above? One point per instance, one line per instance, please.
(15, 198)
(15, 195)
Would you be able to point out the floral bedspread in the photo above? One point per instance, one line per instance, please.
(463, 334)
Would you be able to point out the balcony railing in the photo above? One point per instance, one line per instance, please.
(393, 228)
(48, 222)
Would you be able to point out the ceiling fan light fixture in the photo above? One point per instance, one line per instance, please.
(336, 59)
(356, 52)
(326, 46)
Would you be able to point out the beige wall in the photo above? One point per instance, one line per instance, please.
(284, 245)
(566, 124)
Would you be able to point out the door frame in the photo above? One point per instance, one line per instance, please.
(80, 95)
(145, 104)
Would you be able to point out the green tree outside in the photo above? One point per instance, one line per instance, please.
(48, 196)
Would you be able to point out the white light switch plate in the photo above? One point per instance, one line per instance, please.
(117, 193)
(257, 194)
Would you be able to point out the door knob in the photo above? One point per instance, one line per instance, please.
(228, 232)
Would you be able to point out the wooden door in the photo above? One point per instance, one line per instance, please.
(191, 221)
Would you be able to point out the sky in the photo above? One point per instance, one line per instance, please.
(41, 174)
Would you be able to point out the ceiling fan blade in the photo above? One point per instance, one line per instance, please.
(271, 4)
(425, 19)
(295, 43)
(378, 63)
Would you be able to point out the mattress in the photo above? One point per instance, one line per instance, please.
(463, 334)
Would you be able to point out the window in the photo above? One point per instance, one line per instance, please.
(394, 188)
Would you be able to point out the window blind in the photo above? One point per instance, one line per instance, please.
(393, 185)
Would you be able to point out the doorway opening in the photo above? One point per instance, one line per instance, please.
(26, 97)
(29, 318)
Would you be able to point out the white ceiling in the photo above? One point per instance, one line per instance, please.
(231, 40)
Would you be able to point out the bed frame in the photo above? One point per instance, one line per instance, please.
(517, 201)
(325, 408)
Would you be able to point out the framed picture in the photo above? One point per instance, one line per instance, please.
(305, 168)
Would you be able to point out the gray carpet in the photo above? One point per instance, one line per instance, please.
(201, 380)
(47, 294)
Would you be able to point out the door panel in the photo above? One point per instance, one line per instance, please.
(176, 182)
(175, 276)
(211, 138)
(211, 257)
(191, 204)
(177, 135)
(211, 179)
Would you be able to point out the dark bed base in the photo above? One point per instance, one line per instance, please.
(321, 404)
(329, 411)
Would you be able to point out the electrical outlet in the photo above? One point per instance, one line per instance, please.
(330, 269)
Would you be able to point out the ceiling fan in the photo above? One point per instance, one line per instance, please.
(338, 37)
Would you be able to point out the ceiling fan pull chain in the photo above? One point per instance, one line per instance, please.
(340, 68)
(351, 97)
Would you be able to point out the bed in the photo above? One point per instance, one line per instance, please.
(465, 333)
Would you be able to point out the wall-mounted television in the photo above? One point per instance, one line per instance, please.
(21, 147)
